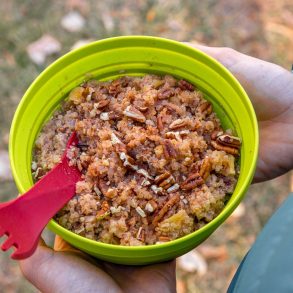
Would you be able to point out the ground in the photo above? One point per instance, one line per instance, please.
(263, 29)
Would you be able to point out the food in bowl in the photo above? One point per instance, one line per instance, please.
(156, 163)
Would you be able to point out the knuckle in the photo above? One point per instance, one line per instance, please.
(229, 51)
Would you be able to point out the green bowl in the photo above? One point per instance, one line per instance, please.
(135, 55)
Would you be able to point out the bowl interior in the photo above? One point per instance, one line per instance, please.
(109, 59)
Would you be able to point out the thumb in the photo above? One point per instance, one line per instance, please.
(51, 271)
(227, 56)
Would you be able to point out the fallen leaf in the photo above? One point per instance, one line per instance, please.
(108, 21)
(5, 171)
(209, 252)
(151, 14)
(174, 25)
(193, 262)
(81, 5)
(9, 58)
(73, 21)
(81, 43)
(43, 47)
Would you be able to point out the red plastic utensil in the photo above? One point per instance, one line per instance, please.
(24, 218)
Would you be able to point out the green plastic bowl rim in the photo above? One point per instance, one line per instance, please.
(232, 203)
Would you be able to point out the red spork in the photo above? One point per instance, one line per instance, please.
(24, 218)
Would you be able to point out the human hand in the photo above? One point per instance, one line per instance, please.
(270, 88)
(66, 269)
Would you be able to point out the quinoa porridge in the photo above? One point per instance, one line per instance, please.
(156, 164)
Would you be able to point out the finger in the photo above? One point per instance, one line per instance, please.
(156, 278)
(51, 271)
(227, 56)
(60, 245)
(268, 85)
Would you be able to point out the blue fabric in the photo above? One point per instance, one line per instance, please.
(268, 266)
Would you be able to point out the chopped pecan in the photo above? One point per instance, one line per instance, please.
(178, 124)
(157, 83)
(149, 208)
(173, 134)
(140, 234)
(102, 184)
(145, 173)
(169, 150)
(118, 145)
(194, 167)
(79, 166)
(105, 206)
(166, 94)
(177, 134)
(115, 88)
(140, 211)
(174, 108)
(229, 140)
(165, 180)
(227, 149)
(86, 91)
(97, 191)
(162, 177)
(157, 190)
(111, 193)
(192, 181)
(93, 169)
(195, 125)
(115, 139)
(120, 148)
(206, 108)
(142, 108)
(76, 95)
(184, 85)
(160, 124)
(150, 122)
(153, 204)
(105, 116)
(102, 104)
(164, 239)
(104, 211)
(173, 188)
(168, 205)
(117, 210)
(101, 216)
(128, 161)
(145, 182)
(114, 116)
(184, 132)
(205, 168)
(134, 113)
(132, 221)
(215, 134)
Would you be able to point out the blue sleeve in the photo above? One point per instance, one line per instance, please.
(268, 266)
